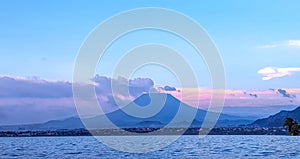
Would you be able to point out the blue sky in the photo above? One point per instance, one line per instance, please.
(259, 42)
(42, 38)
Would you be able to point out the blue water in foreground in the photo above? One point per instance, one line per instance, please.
(185, 147)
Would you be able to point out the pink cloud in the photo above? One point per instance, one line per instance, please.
(24, 100)
(237, 97)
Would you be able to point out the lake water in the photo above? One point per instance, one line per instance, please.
(185, 147)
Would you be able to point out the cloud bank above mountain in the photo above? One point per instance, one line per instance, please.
(32, 100)
(28, 100)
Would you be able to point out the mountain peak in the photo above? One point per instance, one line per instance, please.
(147, 98)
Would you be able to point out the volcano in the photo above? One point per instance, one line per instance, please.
(167, 111)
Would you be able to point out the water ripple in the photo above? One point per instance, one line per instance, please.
(230, 147)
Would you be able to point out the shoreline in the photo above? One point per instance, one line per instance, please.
(145, 132)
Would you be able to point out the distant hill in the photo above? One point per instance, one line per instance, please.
(278, 119)
(69, 123)
(256, 112)
(120, 118)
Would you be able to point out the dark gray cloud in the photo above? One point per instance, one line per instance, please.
(169, 88)
(166, 88)
(253, 95)
(284, 93)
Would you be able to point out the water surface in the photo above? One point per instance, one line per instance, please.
(185, 147)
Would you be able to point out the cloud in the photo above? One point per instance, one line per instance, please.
(288, 43)
(27, 100)
(33, 87)
(285, 94)
(253, 95)
(268, 46)
(133, 87)
(272, 89)
(169, 88)
(294, 43)
(273, 72)
(166, 89)
(34, 100)
(201, 97)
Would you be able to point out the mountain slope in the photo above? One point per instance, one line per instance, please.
(173, 113)
(168, 111)
(278, 119)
